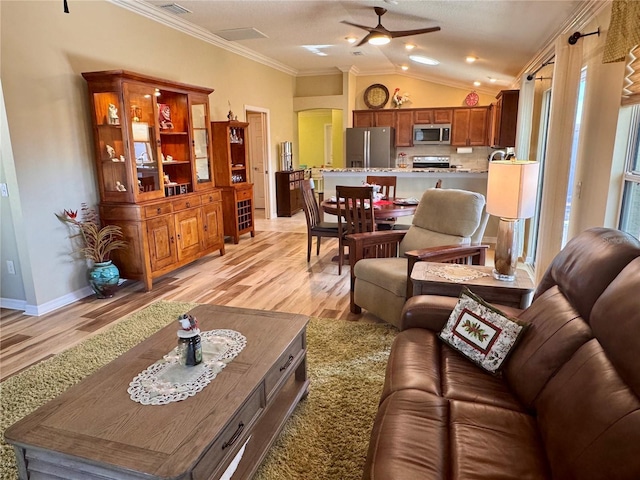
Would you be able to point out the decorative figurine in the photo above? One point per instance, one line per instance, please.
(120, 187)
(189, 342)
(111, 151)
(230, 114)
(164, 116)
(122, 158)
(113, 115)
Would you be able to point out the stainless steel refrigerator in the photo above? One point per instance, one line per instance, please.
(371, 147)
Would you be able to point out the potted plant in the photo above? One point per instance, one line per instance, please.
(96, 243)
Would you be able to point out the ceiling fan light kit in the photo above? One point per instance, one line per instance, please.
(379, 35)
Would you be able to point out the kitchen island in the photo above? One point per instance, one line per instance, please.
(412, 182)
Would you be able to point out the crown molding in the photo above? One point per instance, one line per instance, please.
(157, 15)
(585, 11)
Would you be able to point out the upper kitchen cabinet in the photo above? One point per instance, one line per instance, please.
(404, 128)
(504, 119)
(433, 116)
(470, 126)
(374, 118)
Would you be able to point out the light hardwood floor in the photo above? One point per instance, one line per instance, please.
(267, 272)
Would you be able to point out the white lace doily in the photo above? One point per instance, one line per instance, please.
(456, 273)
(168, 381)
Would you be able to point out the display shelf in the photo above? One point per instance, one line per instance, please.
(169, 211)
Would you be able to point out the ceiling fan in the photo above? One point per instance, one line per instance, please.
(380, 36)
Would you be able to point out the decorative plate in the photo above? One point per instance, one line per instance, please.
(376, 96)
(472, 99)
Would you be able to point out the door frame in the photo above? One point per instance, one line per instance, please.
(269, 187)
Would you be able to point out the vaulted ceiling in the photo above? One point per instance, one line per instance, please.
(307, 37)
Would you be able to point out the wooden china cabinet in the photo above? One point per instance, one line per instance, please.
(231, 170)
(154, 169)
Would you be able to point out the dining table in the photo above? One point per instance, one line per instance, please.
(382, 209)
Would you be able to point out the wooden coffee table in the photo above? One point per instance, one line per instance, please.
(95, 431)
(517, 293)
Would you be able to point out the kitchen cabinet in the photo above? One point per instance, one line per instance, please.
(470, 126)
(433, 116)
(377, 118)
(153, 163)
(288, 193)
(231, 168)
(404, 128)
(504, 119)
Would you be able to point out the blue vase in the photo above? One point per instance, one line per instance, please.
(103, 278)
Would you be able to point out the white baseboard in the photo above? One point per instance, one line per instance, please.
(37, 310)
(13, 304)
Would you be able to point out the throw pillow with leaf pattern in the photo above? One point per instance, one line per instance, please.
(481, 332)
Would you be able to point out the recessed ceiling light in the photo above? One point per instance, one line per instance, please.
(379, 39)
(471, 59)
(493, 80)
(424, 60)
(351, 39)
(405, 67)
(477, 83)
(409, 46)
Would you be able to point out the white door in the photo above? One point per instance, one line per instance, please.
(257, 144)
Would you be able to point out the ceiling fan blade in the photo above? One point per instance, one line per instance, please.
(364, 40)
(419, 31)
(364, 27)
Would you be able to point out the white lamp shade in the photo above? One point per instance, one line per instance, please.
(512, 188)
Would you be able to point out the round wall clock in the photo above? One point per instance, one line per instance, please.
(376, 96)
(472, 99)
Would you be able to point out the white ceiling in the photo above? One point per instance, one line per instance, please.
(504, 35)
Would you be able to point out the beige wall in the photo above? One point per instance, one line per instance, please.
(423, 94)
(43, 53)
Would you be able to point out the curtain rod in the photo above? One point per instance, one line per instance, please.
(532, 75)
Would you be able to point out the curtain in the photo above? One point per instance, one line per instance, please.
(564, 98)
(624, 30)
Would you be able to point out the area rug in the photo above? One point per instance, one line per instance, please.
(327, 436)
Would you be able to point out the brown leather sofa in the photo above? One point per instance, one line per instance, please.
(567, 405)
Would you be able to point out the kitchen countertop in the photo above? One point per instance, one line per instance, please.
(405, 170)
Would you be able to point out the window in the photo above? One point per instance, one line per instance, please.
(630, 209)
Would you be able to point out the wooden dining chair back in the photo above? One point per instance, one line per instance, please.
(387, 184)
(315, 226)
(355, 206)
(388, 191)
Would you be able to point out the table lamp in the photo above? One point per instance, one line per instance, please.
(511, 195)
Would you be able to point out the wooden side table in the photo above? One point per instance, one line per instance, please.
(446, 279)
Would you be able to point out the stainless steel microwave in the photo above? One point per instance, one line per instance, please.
(437, 134)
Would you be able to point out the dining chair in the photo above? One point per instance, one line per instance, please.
(387, 184)
(315, 226)
(388, 191)
(355, 208)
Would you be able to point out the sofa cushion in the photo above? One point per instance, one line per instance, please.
(410, 438)
(387, 273)
(492, 443)
(481, 332)
(589, 419)
(555, 333)
(620, 302)
(608, 252)
(449, 211)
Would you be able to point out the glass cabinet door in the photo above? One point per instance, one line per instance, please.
(111, 153)
(142, 112)
(200, 142)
